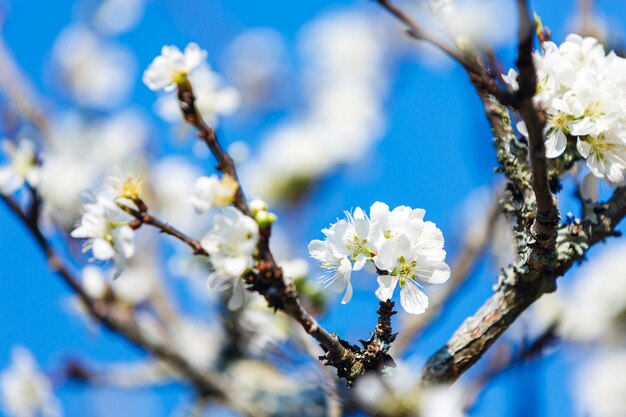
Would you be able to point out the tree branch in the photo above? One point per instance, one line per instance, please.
(547, 215)
(518, 290)
(143, 217)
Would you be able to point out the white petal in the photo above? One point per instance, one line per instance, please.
(412, 299)
(102, 249)
(434, 272)
(584, 148)
(236, 299)
(386, 259)
(556, 144)
(386, 287)
(348, 295)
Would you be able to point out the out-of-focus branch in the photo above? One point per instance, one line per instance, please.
(462, 269)
(106, 314)
(519, 289)
(417, 31)
(476, 70)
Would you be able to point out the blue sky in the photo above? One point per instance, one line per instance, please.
(436, 151)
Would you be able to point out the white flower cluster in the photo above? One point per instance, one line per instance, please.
(25, 391)
(174, 67)
(582, 90)
(403, 247)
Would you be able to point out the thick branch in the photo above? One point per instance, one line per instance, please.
(519, 290)
(547, 216)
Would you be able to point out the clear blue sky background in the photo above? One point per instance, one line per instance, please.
(436, 151)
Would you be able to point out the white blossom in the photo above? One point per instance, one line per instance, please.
(80, 153)
(213, 98)
(211, 192)
(25, 391)
(348, 245)
(601, 386)
(595, 304)
(173, 66)
(96, 73)
(411, 252)
(581, 89)
(21, 168)
(403, 247)
(231, 242)
(108, 234)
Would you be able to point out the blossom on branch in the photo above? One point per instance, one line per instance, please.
(25, 391)
(402, 246)
(108, 232)
(22, 166)
(581, 90)
(213, 99)
(173, 66)
(211, 192)
(231, 242)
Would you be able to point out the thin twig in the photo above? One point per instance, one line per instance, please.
(417, 31)
(143, 217)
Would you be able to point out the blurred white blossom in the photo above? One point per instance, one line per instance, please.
(601, 386)
(173, 66)
(79, 153)
(116, 16)
(22, 166)
(211, 192)
(347, 57)
(255, 63)
(25, 391)
(98, 73)
(398, 392)
(173, 177)
(213, 99)
(106, 229)
(595, 304)
(231, 241)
